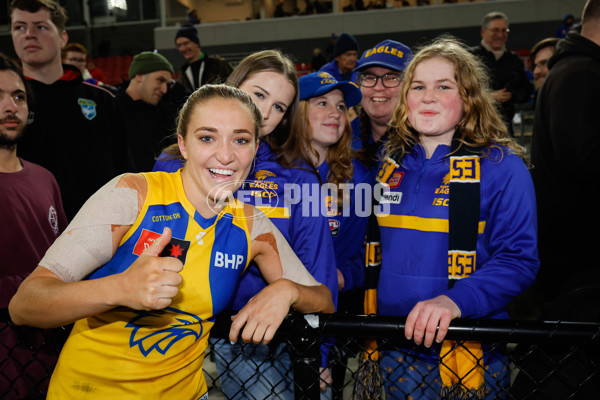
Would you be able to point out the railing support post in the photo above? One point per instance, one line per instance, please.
(304, 345)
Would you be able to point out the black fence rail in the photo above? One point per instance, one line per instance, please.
(369, 358)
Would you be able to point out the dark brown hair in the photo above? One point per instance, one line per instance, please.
(58, 15)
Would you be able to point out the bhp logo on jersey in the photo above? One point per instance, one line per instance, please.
(176, 248)
(228, 261)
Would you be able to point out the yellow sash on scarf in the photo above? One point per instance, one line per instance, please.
(371, 352)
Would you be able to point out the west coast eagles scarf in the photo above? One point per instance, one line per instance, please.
(461, 364)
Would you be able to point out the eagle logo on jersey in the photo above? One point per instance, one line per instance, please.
(446, 179)
(263, 174)
(183, 325)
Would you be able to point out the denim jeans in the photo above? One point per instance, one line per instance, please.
(254, 371)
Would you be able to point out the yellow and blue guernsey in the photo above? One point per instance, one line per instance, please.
(301, 226)
(129, 354)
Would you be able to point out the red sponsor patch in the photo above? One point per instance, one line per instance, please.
(176, 248)
(146, 239)
(395, 179)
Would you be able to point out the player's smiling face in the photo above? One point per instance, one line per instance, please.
(219, 147)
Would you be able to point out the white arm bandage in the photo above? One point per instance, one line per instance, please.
(293, 269)
(87, 242)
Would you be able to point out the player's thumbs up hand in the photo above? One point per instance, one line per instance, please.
(159, 244)
(152, 281)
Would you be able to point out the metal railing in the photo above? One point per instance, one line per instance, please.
(542, 360)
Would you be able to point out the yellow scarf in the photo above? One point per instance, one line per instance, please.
(462, 371)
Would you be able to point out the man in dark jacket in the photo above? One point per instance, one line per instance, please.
(565, 156)
(566, 167)
(540, 54)
(76, 130)
(200, 68)
(508, 80)
(150, 120)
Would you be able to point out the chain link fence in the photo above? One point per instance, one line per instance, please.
(27, 358)
(369, 359)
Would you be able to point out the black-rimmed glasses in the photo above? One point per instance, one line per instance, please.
(390, 80)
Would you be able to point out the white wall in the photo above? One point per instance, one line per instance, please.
(221, 10)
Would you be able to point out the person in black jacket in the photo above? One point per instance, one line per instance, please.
(539, 56)
(509, 82)
(76, 130)
(150, 119)
(566, 167)
(564, 153)
(200, 67)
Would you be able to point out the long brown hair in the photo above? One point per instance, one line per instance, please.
(480, 126)
(339, 155)
(274, 61)
(286, 140)
(265, 60)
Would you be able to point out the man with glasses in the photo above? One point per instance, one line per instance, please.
(75, 54)
(380, 79)
(150, 119)
(200, 68)
(539, 57)
(508, 79)
(564, 151)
